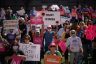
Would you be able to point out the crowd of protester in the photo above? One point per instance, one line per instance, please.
(72, 33)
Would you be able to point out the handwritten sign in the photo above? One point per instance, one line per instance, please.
(31, 51)
(51, 17)
(64, 19)
(10, 24)
(52, 59)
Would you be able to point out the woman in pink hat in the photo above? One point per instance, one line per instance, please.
(52, 50)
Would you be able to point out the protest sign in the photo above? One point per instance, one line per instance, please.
(64, 19)
(31, 51)
(16, 59)
(36, 20)
(10, 24)
(50, 17)
(62, 46)
(52, 59)
(90, 33)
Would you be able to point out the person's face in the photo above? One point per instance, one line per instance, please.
(74, 7)
(37, 33)
(22, 8)
(15, 48)
(90, 7)
(17, 40)
(34, 8)
(9, 8)
(11, 31)
(67, 30)
(52, 49)
(26, 40)
(49, 29)
(79, 6)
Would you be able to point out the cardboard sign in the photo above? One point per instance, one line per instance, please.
(52, 59)
(31, 51)
(10, 24)
(50, 17)
(36, 20)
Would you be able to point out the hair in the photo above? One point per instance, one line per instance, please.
(15, 44)
(27, 36)
(73, 31)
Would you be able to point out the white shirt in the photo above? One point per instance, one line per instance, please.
(74, 44)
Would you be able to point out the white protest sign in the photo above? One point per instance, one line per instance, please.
(63, 19)
(51, 17)
(10, 24)
(31, 51)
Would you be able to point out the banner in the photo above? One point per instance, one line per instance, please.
(10, 24)
(36, 20)
(31, 51)
(52, 59)
(51, 17)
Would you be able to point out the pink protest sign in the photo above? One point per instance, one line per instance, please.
(36, 20)
(16, 59)
(62, 46)
(89, 32)
(38, 40)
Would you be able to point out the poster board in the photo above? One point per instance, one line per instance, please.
(36, 20)
(50, 17)
(64, 19)
(31, 51)
(10, 24)
(52, 59)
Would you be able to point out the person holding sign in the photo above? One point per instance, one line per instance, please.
(25, 47)
(52, 54)
(48, 36)
(16, 56)
(3, 49)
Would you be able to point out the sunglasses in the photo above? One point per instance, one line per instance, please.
(52, 46)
